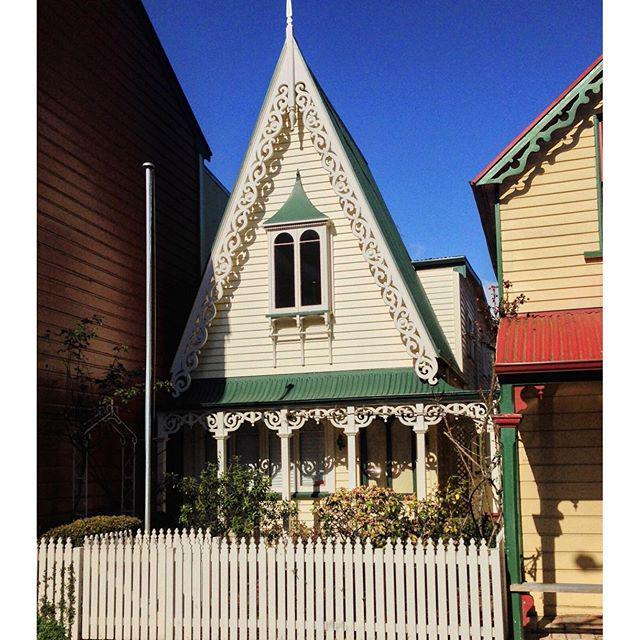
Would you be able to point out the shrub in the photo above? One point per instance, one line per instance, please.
(48, 627)
(379, 513)
(78, 529)
(370, 512)
(54, 622)
(240, 501)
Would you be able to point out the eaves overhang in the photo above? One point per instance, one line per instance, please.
(372, 385)
(514, 158)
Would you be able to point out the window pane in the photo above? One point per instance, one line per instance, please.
(275, 464)
(247, 446)
(311, 286)
(283, 271)
(312, 454)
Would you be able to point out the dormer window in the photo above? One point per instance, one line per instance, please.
(299, 256)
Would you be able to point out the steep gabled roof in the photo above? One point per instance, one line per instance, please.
(381, 246)
(514, 159)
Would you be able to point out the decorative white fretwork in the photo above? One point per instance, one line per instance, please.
(223, 267)
(225, 422)
(418, 347)
(350, 419)
(223, 264)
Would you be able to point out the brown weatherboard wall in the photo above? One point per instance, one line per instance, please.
(561, 493)
(106, 104)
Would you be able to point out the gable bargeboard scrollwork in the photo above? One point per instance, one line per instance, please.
(221, 267)
(517, 162)
(224, 263)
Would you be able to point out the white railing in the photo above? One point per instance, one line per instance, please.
(193, 586)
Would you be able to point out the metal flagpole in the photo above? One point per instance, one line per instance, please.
(149, 170)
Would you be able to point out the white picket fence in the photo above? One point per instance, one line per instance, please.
(191, 586)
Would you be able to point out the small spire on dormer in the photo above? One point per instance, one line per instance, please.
(289, 30)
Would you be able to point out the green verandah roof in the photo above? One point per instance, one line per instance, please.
(332, 386)
(391, 234)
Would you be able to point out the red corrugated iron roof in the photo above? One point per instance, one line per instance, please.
(550, 341)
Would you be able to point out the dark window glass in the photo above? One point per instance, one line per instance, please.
(310, 282)
(283, 271)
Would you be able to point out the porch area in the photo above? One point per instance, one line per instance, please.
(311, 451)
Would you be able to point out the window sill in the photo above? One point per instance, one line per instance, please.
(593, 256)
(294, 314)
(299, 495)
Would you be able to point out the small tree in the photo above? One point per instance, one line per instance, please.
(89, 389)
(238, 501)
(480, 466)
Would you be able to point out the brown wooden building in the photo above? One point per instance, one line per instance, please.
(108, 100)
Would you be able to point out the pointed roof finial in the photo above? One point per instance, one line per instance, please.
(289, 30)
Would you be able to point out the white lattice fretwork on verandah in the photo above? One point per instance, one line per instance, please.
(419, 416)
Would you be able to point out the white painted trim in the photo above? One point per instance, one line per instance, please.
(296, 232)
(271, 122)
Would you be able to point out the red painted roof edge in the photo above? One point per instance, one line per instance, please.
(548, 359)
(546, 367)
(536, 120)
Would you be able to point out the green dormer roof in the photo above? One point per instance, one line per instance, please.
(297, 208)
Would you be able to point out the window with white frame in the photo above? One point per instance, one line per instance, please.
(299, 269)
(311, 458)
(311, 469)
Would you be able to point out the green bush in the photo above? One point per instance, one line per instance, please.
(240, 501)
(48, 627)
(379, 513)
(78, 529)
(370, 512)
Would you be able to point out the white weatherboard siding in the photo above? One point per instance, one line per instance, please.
(442, 286)
(364, 334)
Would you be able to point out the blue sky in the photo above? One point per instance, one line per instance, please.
(430, 91)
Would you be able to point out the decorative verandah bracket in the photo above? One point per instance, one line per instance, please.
(421, 417)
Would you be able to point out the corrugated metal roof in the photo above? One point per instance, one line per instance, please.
(333, 386)
(551, 341)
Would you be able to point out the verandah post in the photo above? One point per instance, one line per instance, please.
(508, 423)
(351, 432)
(421, 453)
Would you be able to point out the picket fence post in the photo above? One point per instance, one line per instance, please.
(183, 585)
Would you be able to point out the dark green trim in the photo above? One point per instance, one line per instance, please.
(330, 387)
(391, 236)
(498, 226)
(462, 270)
(597, 119)
(593, 255)
(309, 495)
(560, 117)
(511, 509)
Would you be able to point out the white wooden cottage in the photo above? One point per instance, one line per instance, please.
(314, 344)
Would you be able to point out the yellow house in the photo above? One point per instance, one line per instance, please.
(315, 349)
(540, 202)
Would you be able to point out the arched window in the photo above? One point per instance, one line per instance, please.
(284, 271)
(310, 269)
(299, 270)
